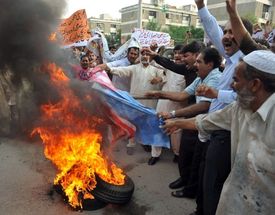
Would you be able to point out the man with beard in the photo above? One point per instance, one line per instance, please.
(143, 77)
(250, 187)
(217, 158)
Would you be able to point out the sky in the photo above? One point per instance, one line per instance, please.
(96, 7)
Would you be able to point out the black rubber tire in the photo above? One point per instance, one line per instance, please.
(87, 204)
(114, 194)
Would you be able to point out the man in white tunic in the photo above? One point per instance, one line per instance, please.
(250, 186)
(144, 77)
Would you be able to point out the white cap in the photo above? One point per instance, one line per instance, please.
(262, 60)
(134, 43)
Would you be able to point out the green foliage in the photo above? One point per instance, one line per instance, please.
(152, 25)
(251, 17)
(181, 35)
(114, 39)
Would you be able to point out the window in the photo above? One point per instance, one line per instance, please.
(153, 14)
(167, 15)
(265, 14)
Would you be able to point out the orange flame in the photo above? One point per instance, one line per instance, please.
(73, 144)
(53, 36)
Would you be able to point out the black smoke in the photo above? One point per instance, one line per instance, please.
(24, 47)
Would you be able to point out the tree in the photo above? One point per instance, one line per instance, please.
(251, 17)
(114, 39)
(152, 25)
(184, 34)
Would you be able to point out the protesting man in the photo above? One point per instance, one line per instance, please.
(249, 189)
(123, 83)
(217, 160)
(143, 77)
(207, 65)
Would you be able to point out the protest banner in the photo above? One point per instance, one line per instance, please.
(75, 28)
(147, 37)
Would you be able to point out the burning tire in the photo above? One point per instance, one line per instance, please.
(114, 194)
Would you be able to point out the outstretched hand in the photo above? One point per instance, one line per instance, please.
(206, 91)
(170, 126)
(149, 52)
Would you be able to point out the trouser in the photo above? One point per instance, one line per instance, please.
(199, 198)
(217, 168)
(156, 151)
(186, 152)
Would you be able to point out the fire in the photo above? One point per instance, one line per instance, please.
(53, 37)
(73, 144)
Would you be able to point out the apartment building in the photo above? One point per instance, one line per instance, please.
(263, 9)
(164, 14)
(105, 23)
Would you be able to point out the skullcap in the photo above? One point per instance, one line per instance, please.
(262, 60)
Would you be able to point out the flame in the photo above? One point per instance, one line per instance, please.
(53, 36)
(73, 144)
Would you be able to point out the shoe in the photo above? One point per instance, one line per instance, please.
(130, 150)
(146, 148)
(182, 194)
(176, 158)
(153, 160)
(177, 184)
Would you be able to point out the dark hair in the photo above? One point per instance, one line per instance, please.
(193, 47)
(212, 55)
(112, 47)
(178, 47)
(248, 25)
(267, 79)
(84, 55)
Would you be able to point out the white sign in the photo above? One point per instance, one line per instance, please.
(146, 37)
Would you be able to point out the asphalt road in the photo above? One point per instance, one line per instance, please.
(26, 179)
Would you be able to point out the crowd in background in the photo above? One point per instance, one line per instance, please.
(216, 102)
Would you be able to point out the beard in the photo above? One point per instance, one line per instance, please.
(144, 61)
(245, 98)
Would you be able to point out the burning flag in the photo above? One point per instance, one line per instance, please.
(73, 143)
(122, 104)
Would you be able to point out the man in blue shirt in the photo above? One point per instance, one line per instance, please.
(207, 65)
(217, 161)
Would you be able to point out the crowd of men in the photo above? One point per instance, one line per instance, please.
(218, 104)
(218, 107)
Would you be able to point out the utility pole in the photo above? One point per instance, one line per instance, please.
(139, 14)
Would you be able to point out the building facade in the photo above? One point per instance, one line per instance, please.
(165, 15)
(105, 24)
(263, 9)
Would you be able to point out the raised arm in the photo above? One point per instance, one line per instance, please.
(238, 28)
(241, 35)
(211, 26)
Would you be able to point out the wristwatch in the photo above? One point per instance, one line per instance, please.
(173, 113)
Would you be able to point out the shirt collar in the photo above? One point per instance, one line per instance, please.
(235, 57)
(266, 107)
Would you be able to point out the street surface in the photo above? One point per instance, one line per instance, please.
(26, 179)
